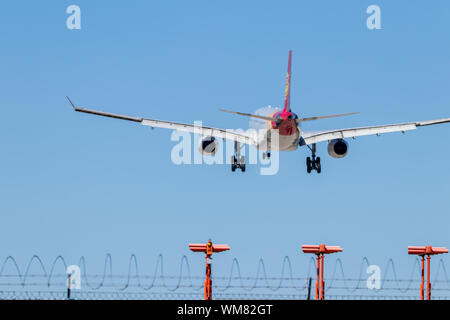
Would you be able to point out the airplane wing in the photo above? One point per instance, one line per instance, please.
(318, 136)
(241, 137)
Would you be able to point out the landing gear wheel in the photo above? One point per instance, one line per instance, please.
(266, 155)
(314, 163)
(242, 163)
(237, 162)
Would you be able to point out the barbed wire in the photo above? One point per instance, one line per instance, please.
(55, 276)
(105, 295)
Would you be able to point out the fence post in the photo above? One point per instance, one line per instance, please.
(69, 283)
(309, 288)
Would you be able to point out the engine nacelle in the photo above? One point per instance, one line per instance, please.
(208, 146)
(337, 148)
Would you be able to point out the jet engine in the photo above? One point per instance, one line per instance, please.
(208, 146)
(337, 148)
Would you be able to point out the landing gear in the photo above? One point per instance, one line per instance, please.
(314, 163)
(237, 161)
(266, 155)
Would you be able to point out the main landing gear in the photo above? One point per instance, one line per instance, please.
(314, 163)
(237, 161)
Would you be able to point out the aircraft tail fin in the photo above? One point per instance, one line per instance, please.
(287, 92)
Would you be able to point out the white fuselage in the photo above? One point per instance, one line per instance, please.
(268, 141)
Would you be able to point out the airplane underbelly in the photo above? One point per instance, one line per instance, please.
(285, 142)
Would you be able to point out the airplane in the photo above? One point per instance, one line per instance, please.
(283, 124)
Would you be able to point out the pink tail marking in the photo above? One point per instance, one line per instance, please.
(287, 93)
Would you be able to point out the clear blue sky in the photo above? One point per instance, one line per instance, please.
(75, 184)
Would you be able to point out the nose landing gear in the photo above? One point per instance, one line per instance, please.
(314, 163)
(237, 161)
(266, 155)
